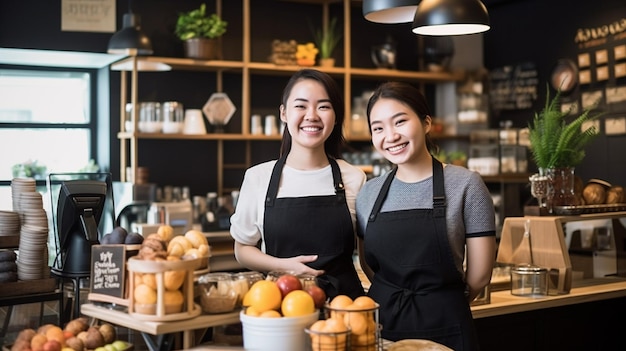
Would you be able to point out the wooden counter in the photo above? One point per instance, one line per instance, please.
(186, 326)
(588, 290)
(502, 305)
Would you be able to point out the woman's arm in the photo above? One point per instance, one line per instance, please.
(253, 258)
(481, 255)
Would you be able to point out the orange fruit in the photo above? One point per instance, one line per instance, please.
(297, 303)
(335, 325)
(270, 314)
(338, 304)
(37, 342)
(263, 295)
(341, 301)
(364, 302)
(55, 333)
(251, 311)
(318, 326)
(357, 322)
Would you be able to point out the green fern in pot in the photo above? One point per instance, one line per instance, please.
(557, 143)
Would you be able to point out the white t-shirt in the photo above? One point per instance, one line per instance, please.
(247, 222)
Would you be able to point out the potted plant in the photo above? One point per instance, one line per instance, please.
(200, 32)
(557, 144)
(326, 40)
(458, 157)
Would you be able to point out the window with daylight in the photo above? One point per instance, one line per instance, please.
(46, 122)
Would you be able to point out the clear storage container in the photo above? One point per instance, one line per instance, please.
(217, 293)
(529, 280)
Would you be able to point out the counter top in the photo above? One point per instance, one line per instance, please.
(587, 290)
(502, 303)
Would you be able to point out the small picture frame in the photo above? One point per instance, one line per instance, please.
(620, 70)
(602, 73)
(584, 60)
(619, 52)
(584, 76)
(602, 57)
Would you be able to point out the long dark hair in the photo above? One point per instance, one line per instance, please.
(408, 95)
(333, 145)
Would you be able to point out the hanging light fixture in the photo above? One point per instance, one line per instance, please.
(389, 11)
(130, 39)
(450, 17)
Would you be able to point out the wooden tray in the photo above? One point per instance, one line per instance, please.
(26, 287)
(586, 209)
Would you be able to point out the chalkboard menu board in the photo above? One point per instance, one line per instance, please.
(513, 87)
(108, 270)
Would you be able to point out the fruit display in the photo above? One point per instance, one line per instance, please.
(77, 335)
(360, 316)
(162, 260)
(283, 297)
(330, 334)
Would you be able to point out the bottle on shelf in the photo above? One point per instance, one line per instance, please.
(224, 211)
(208, 220)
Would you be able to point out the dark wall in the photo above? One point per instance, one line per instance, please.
(543, 32)
(535, 31)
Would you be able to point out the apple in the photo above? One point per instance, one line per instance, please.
(120, 345)
(318, 294)
(287, 283)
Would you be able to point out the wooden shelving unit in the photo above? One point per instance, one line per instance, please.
(129, 141)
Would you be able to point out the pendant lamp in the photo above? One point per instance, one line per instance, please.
(130, 39)
(450, 17)
(389, 11)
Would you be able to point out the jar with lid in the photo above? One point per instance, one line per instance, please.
(217, 294)
(529, 280)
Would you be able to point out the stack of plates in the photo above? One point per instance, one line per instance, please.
(32, 256)
(31, 210)
(19, 186)
(9, 223)
(33, 252)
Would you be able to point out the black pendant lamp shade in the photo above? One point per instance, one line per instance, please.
(389, 11)
(130, 39)
(450, 17)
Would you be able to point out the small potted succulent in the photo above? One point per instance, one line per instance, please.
(326, 40)
(200, 33)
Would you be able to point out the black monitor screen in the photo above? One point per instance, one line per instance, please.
(80, 207)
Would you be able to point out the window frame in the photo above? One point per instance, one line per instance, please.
(94, 117)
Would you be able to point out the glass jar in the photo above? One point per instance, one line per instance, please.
(217, 293)
(529, 280)
(242, 282)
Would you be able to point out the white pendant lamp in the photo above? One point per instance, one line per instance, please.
(450, 17)
(389, 11)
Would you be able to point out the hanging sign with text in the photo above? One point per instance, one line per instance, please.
(108, 270)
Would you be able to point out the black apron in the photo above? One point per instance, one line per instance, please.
(420, 291)
(314, 225)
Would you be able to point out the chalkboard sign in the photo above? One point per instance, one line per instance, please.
(513, 87)
(108, 270)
